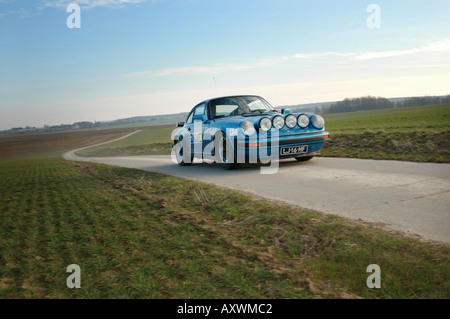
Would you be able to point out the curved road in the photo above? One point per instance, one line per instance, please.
(413, 198)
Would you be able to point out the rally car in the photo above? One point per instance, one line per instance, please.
(246, 129)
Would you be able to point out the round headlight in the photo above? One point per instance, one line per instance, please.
(318, 121)
(265, 124)
(278, 122)
(291, 121)
(303, 120)
(248, 128)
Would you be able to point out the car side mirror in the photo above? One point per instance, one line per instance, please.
(180, 124)
(199, 117)
(285, 111)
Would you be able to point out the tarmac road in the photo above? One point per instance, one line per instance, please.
(413, 198)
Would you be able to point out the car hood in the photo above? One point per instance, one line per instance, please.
(252, 118)
(235, 122)
(240, 118)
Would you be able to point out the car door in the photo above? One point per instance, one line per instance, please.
(197, 128)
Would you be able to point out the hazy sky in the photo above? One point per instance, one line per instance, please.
(145, 57)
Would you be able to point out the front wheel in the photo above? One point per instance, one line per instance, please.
(224, 152)
(303, 158)
(182, 154)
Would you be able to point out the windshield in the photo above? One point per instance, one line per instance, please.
(238, 105)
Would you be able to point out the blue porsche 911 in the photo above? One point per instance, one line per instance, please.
(246, 129)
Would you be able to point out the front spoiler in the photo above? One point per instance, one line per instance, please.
(252, 151)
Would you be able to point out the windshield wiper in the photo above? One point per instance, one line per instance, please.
(261, 111)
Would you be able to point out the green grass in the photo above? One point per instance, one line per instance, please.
(418, 134)
(143, 137)
(414, 119)
(154, 141)
(138, 234)
(347, 115)
(130, 150)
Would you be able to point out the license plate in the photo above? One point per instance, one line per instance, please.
(294, 150)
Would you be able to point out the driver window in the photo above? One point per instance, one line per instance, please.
(189, 119)
(200, 109)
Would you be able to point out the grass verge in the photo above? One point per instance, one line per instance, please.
(138, 234)
(153, 141)
(405, 146)
(418, 134)
(128, 150)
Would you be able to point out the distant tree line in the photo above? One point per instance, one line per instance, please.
(51, 128)
(367, 103)
(426, 100)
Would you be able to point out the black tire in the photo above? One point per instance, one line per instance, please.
(303, 158)
(180, 155)
(222, 146)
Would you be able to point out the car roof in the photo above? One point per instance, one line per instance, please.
(227, 96)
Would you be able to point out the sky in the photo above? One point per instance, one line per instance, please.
(147, 57)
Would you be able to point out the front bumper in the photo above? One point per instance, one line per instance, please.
(268, 148)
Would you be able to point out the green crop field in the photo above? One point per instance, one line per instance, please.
(137, 234)
(145, 136)
(414, 134)
(411, 119)
(154, 141)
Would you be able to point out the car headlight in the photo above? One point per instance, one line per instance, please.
(291, 121)
(303, 121)
(248, 128)
(318, 121)
(265, 124)
(278, 122)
